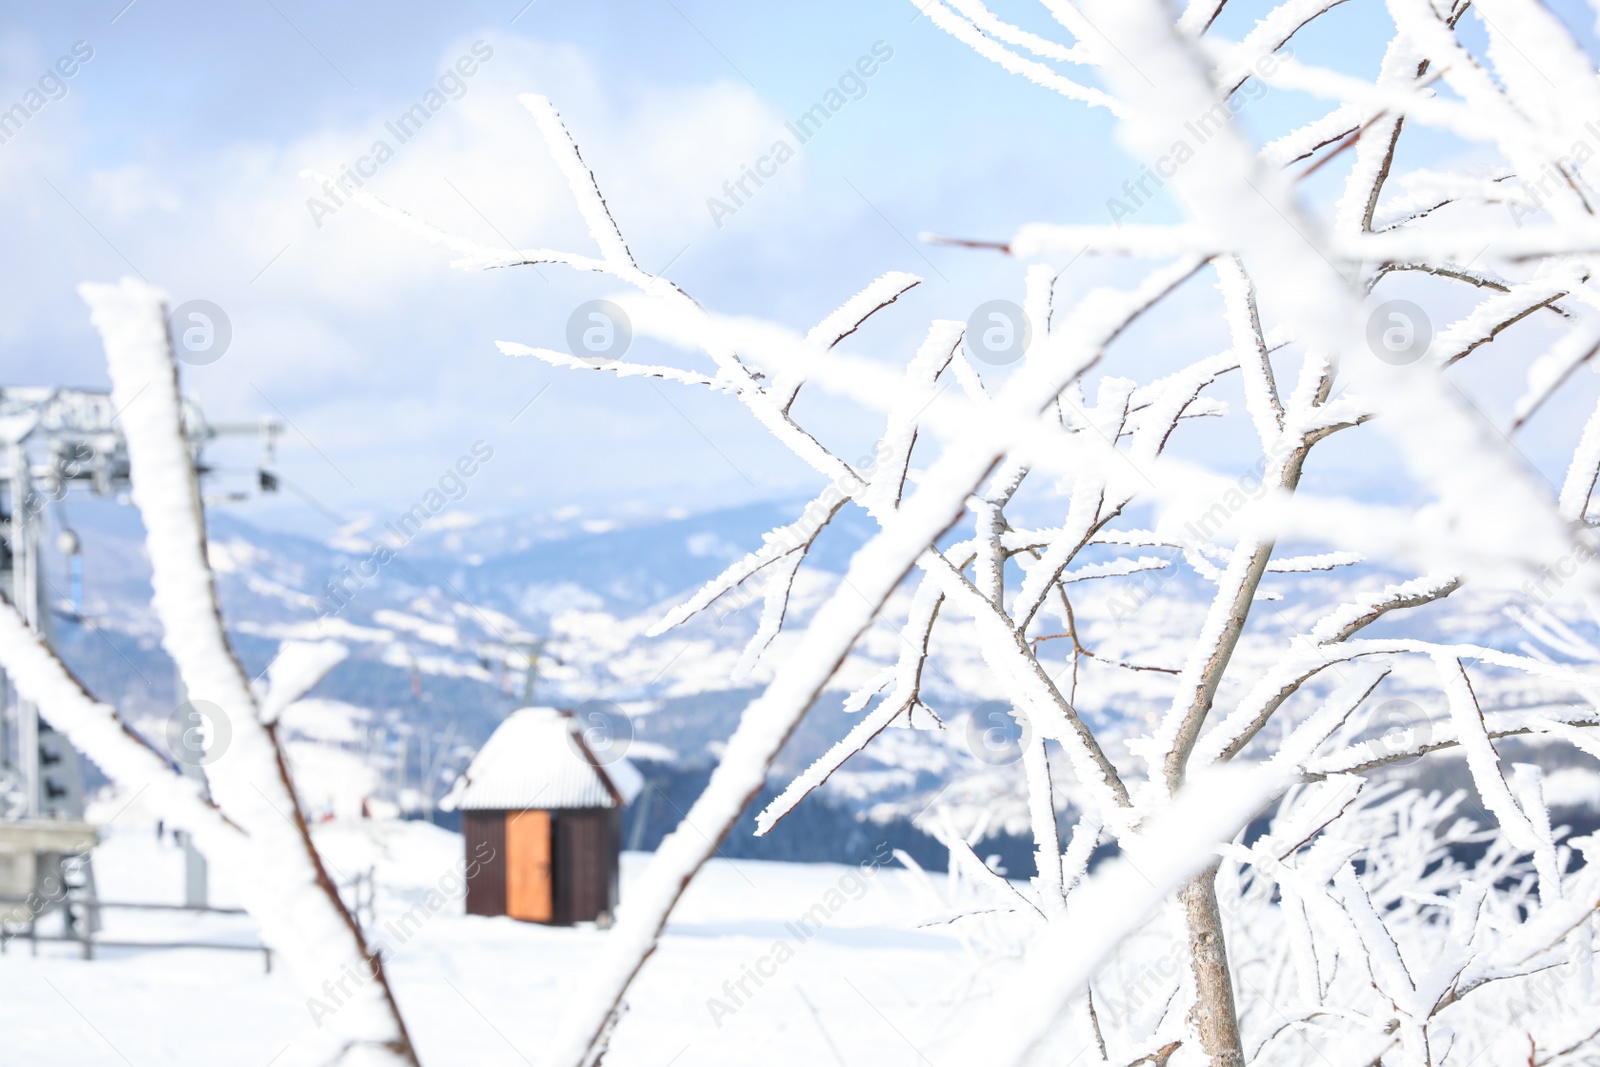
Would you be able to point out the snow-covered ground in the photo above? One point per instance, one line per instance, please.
(482, 992)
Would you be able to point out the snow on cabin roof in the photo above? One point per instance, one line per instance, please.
(537, 759)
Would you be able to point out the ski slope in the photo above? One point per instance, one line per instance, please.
(485, 991)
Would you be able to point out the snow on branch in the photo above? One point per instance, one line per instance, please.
(986, 21)
(285, 887)
(846, 320)
(991, 48)
(1549, 371)
(778, 543)
(616, 367)
(1482, 759)
(1269, 34)
(295, 671)
(1347, 620)
(766, 724)
(472, 255)
(1110, 905)
(96, 730)
(580, 179)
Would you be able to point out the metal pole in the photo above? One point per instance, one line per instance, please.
(533, 649)
(8, 757)
(196, 874)
(25, 597)
(423, 785)
(400, 771)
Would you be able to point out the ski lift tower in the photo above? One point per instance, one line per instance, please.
(55, 440)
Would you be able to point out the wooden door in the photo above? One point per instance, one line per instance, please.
(528, 887)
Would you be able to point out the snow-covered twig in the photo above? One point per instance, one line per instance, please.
(286, 887)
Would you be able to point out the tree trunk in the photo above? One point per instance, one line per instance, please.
(1214, 1017)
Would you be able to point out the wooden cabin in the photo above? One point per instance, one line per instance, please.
(541, 817)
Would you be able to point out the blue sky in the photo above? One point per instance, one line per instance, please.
(176, 150)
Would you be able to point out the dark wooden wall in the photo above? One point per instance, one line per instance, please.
(586, 846)
(485, 835)
(588, 842)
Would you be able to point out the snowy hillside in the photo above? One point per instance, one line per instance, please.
(450, 971)
(812, 963)
(436, 660)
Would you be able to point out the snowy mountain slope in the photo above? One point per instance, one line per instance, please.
(485, 991)
(436, 639)
(436, 657)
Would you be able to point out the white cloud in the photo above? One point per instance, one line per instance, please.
(131, 192)
(361, 334)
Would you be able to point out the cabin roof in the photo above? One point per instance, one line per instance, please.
(537, 759)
